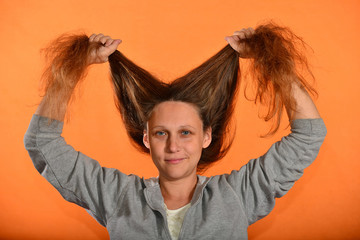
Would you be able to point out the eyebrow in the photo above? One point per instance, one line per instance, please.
(182, 126)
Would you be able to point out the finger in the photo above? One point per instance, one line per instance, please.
(113, 46)
(97, 37)
(245, 32)
(241, 33)
(104, 39)
(249, 32)
(111, 41)
(116, 43)
(108, 42)
(233, 39)
(233, 42)
(91, 38)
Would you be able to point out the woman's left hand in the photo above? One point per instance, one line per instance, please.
(238, 45)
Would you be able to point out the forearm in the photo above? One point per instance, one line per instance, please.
(66, 67)
(70, 56)
(54, 107)
(305, 107)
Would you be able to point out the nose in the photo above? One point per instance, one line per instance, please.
(173, 144)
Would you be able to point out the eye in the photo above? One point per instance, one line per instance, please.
(160, 133)
(185, 132)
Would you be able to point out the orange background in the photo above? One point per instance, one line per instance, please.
(169, 38)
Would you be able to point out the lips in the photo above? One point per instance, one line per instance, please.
(174, 160)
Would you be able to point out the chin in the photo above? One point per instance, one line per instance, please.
(177, 174)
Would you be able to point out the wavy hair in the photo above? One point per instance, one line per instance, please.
(277, 61)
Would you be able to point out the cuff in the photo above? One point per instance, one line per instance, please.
(309, 126)
(45, 125)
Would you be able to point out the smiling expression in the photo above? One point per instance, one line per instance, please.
(175, 137)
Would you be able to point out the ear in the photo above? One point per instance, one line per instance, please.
(146, 139)
(207, 137)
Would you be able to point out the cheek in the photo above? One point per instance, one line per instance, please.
(155, 157)
(194, 148)
(156, 148)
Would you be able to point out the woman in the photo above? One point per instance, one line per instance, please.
(183, 125)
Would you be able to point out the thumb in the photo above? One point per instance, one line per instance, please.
(113, 46)
(233, 42)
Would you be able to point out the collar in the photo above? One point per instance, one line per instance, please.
(154, 197)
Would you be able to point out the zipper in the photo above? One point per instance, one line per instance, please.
(192, 207)
(161, 211)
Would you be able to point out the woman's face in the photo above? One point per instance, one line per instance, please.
(176, 138)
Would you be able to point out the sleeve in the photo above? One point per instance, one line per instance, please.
(77, 177)
(271, 176)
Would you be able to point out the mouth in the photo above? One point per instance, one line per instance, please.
(174, 160)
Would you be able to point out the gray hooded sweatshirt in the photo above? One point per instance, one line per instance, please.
(131, 207)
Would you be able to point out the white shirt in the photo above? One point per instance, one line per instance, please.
(175, 219)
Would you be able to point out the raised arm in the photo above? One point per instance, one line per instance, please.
(273, 174)
(77, 177)
(305, 107)
(275, 53)
(68, 63)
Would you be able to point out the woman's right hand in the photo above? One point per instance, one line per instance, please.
(101, 54)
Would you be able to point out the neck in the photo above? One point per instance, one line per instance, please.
(177, 193)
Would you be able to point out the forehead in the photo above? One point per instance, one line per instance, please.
(175, 113)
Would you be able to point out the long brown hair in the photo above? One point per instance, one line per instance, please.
(277, 61)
